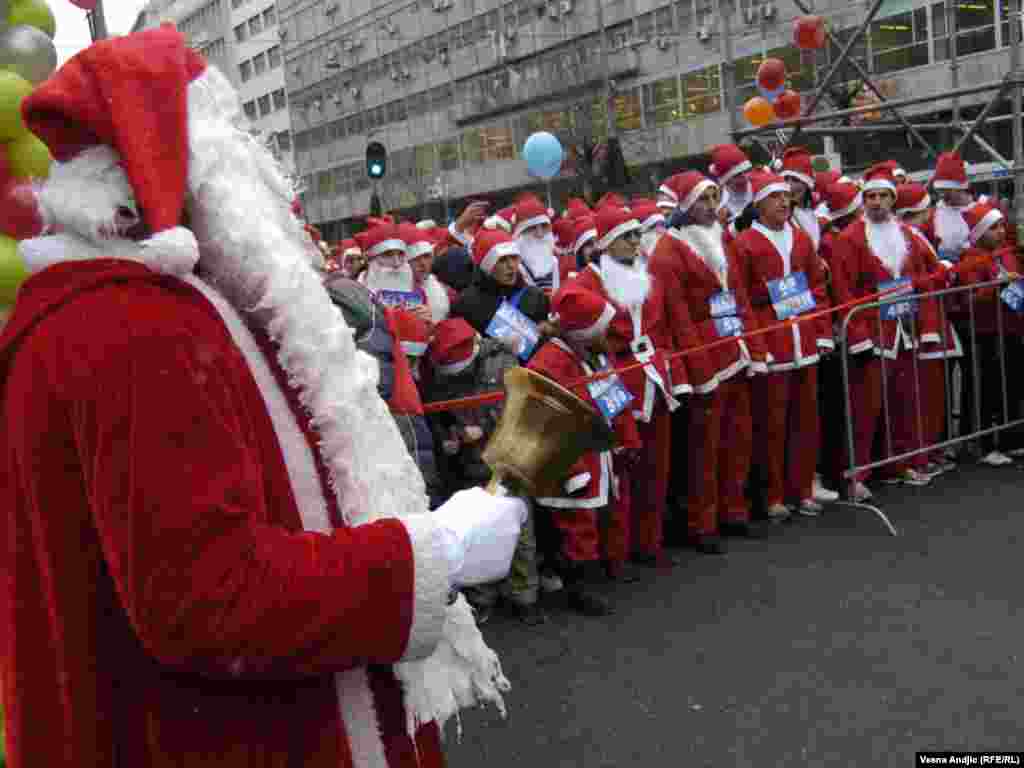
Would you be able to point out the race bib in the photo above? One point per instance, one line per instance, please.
(722, 304)
(400, 299)
(1013, 295)
(898, 309)
(790, 296)
(610, 396)
(951, 255)
(728, 326)
(510, 321)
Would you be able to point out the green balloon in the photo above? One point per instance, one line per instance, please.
(13, 89)
(12, 270)
(35, 13)
(29, 158)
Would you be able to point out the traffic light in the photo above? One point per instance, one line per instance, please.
(376, 160)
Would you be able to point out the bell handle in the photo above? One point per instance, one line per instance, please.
(500, 486)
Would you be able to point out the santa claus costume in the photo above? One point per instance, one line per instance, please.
(645, 329)
(730, 168)
(537, 263)
(242, 570)
(586, 511)
(796, 166)
(783, 276)
(946, 227)
(419, 244)
(882, 253)
(692, 262)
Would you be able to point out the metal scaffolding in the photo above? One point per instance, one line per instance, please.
(1009, 85)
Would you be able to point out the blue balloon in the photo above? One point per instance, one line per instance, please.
(771, 95)
(543, 154)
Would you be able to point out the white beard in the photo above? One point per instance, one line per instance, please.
(950, 227)
(437, 298)
(737, 203)
(381, 278)
(888, 242)
(627, 285)
(707, 243)
(538, 253)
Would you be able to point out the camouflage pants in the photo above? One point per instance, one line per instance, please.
(522, 584)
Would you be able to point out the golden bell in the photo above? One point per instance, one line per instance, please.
(544, 428)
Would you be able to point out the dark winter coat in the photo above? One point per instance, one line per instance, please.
(478, 303)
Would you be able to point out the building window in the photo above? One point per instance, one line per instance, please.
(235, 4)
(900, 41)
(426, 160)
(280, 100)
(264, 105)
(245, 71)
(250, 109)
(240, 34)
(975, 25)
(449, 152)
(284, 141)
(702, 91)
(496, 143)
(259, 64)
(661, 102)
(269, 17)
(274, 57)
(255, 26)
(628, 114)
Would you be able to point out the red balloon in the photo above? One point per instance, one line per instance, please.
(771, 75)
(85, 5)
(809, 32)
(20, 217)
(787, 106)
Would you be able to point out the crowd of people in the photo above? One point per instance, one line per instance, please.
(719, 305)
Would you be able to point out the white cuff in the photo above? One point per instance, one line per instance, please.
(826, 344)
(430, 585)
(577, 483)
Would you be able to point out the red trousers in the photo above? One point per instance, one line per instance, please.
(719, 460)
(785, 412)
(578, 530)
(650, 482)
(615, 535)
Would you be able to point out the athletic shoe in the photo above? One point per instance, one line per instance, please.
(996, 459)
(821, 493)
(909, 476)
(860, 493)
(809, 508)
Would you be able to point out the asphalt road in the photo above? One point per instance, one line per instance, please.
(829, 644)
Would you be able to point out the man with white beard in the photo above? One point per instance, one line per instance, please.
(731, 168)
(946, 228)
(691, 260)
(537, 261)
(420, 254)
(878, 252)
(642, 317)
(232, 559)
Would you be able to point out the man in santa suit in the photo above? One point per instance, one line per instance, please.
(584, 513)
(653, 225)
(643, 335)
(798, 171)
(532, 231)
(692, 263)
(351, 258)
(387, 267)
(783, 276)
(581, 251)
(878, 252)
(420, 256)
(946, 227)
(231, 557)
(730, 167)
(564, 229)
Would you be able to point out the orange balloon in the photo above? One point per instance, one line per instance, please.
(787, 106)
(758, 111)
(809, 32)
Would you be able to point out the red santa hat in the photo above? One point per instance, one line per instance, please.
(980, 218)
(453, 348)
(879, 176)
(613, 223)
(728, 161)
(382, 238)
(610, 199)
(490, 246)
(581, 314)
(842, 199)
(417, 240)
(503, 220)
(426, 224)
(647, 213)
(796, 164)
(950, 172)
(530, 212)
(576, 208)
(764, 183)
(686, 188)
(584, 232)
(911, 198)
(350, 247)
(564, 230)
(412, 331)
(129, 93)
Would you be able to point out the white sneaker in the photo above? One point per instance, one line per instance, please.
(810, 508)
(996, 459)
(859, 492)
(1018, 452)
(821, 493)
(551, 582)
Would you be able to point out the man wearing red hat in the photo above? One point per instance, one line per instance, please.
(693, 263)
(243, 569)
(878, 252)
(643, 334)
(581, 251)
(420, 245)
(730, 167)
(783, 276)
(584, 513)
(532, 230)
(799, 172)
(653, 225)
(946, 228)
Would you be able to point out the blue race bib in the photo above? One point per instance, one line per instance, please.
(509, 320)
(610, 396)
(1013, 295)
(898, 309)
(791, 296)
(728, 326)
(400, 299)
(722, 304)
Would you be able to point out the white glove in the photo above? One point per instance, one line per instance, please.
(479, 532)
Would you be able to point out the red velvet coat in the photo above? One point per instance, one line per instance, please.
(759, 262)
(861, 275)
(162, 604)
(686, 275)
(654, 381)
(982, 267)
(591, 482)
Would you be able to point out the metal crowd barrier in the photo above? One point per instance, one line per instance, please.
(955, 408)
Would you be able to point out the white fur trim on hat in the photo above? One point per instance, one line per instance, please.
(356, 251)
(950, 184)
(426, 224)
(497, 252)
(879, 184)
(664, 189)
(653, 220)
(667, 205)
(627, 226)
(583, 239)
(598, 327)
(453, 369)
(987, 222)
(386, 245)
(696, 192)
(923, 205)
(534, 221)
(858, 201)
(736, 170)
(770, 189)
(420, 247)
(799, 177)
(173, 251)
(498, 222)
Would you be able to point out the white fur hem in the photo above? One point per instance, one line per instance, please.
(430, 590)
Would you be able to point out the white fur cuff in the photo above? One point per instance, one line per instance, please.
(431, 585)
(174, 252)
